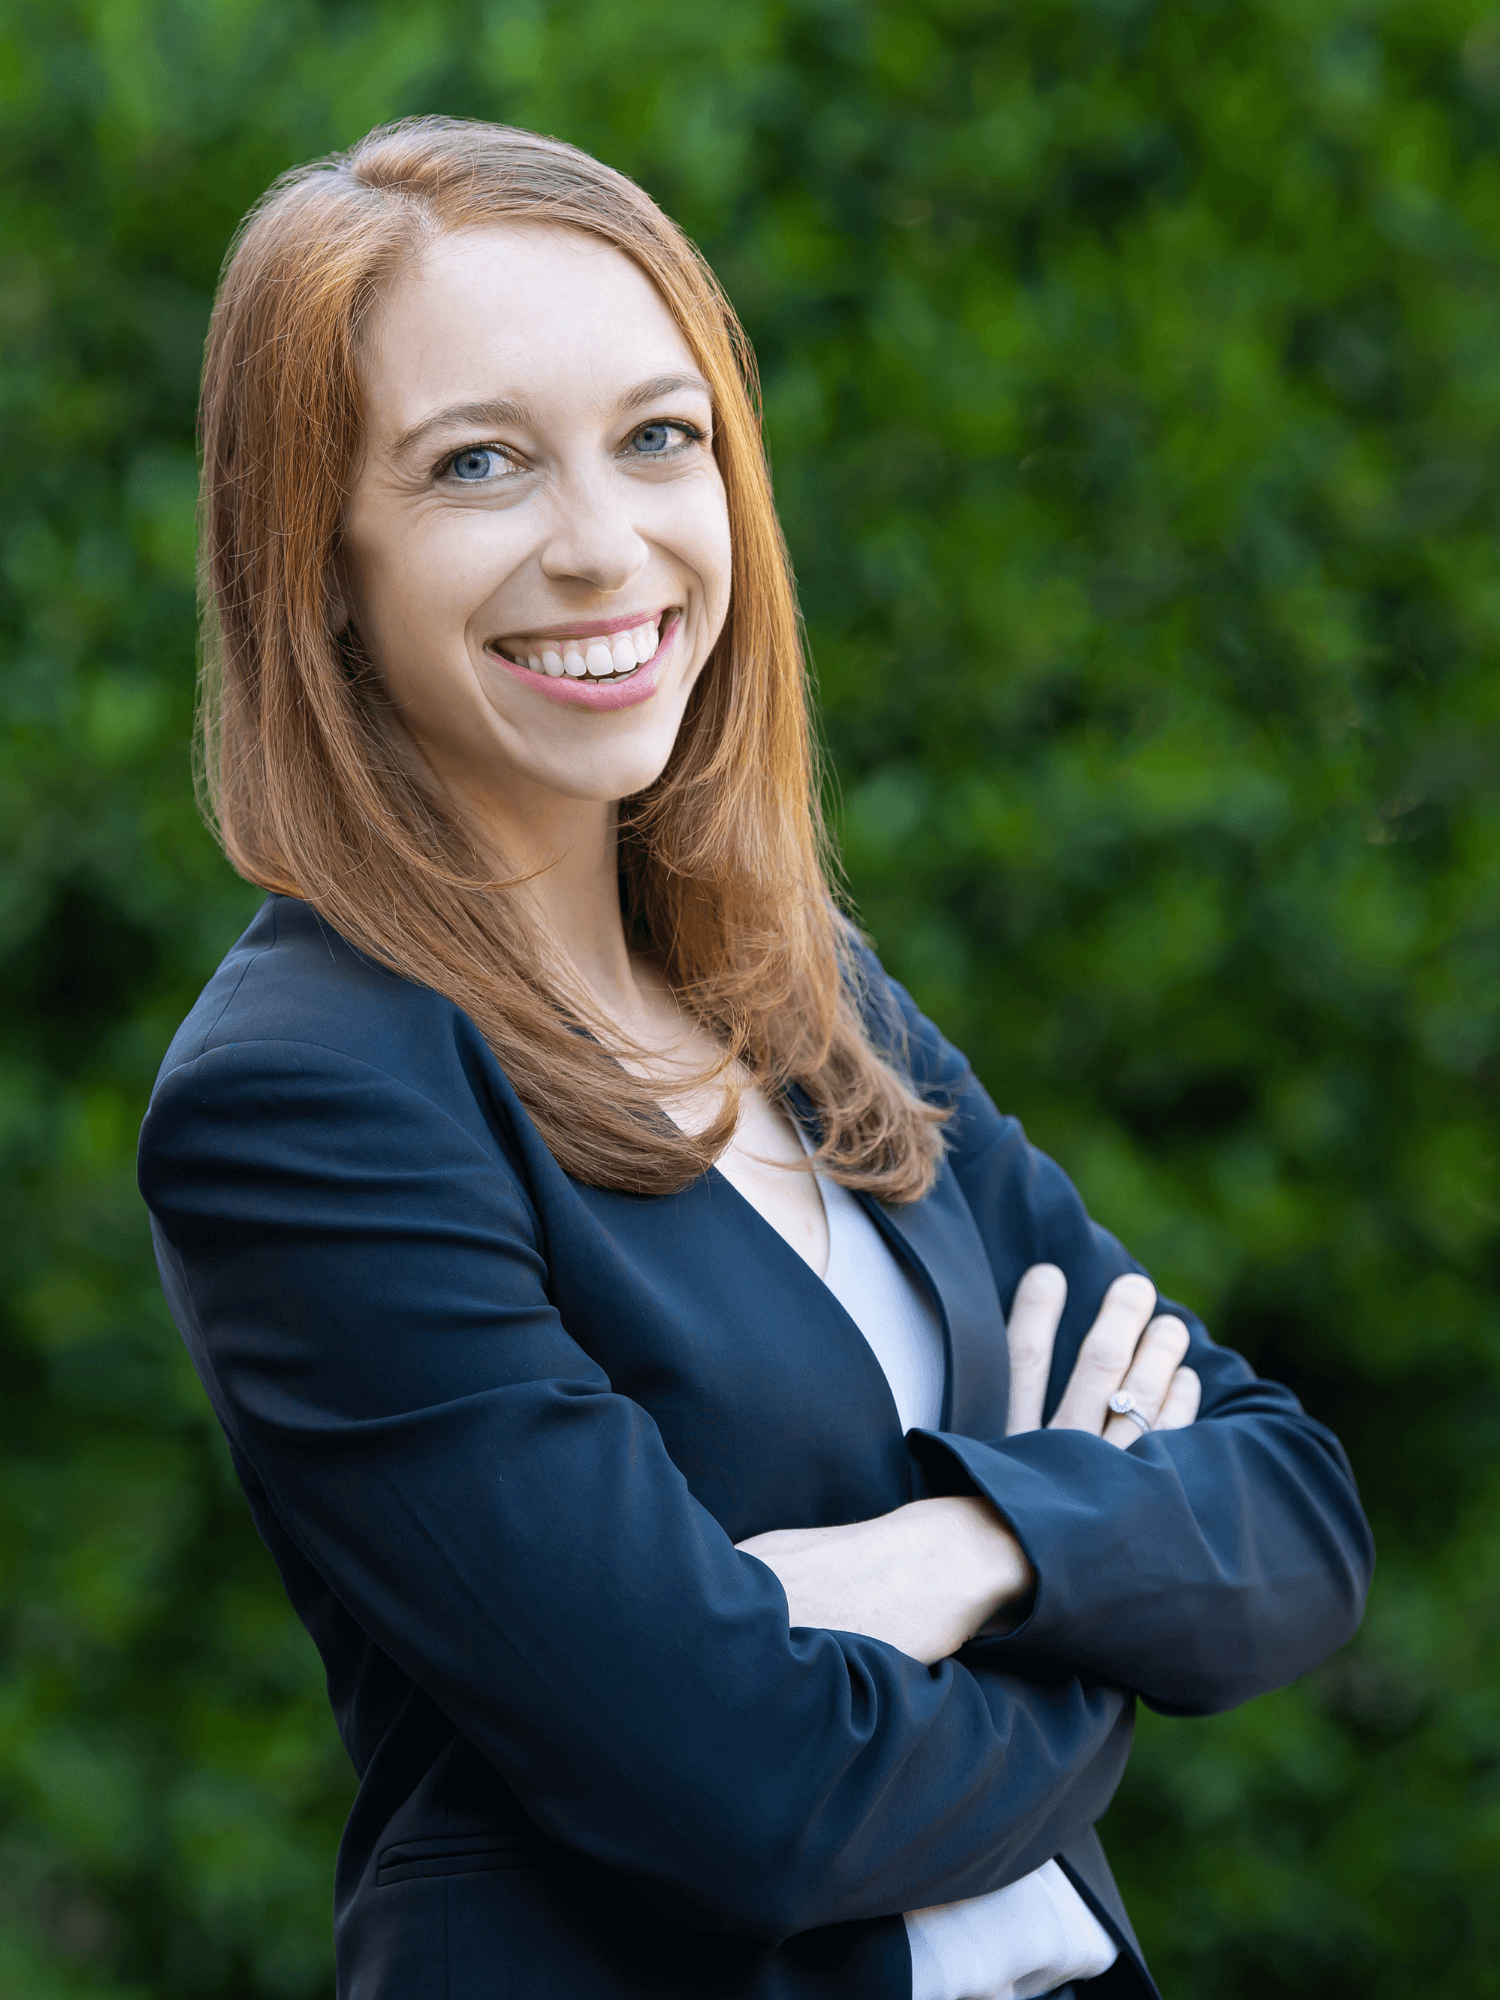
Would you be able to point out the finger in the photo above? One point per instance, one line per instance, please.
(1181, 1404)
(1106, 1353)
(1149, 1376)
(1034, 1315)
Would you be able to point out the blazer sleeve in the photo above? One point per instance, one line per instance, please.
(1198, 1567)
(364, 1289)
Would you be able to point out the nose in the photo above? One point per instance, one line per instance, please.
(592, 537)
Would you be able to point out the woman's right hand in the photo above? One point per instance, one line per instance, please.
(1126, 1349)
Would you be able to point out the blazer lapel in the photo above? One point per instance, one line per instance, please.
(938, 1238)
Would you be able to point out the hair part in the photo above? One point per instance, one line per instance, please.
(724, 860)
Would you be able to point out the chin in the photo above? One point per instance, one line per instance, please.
(607, 780)
(616, 764)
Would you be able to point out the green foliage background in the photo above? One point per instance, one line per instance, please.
(1132, 381)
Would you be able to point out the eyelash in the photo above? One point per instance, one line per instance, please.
(690, 433)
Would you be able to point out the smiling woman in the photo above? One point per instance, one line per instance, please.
(532, 415)
(459, 548)
(736, 1490)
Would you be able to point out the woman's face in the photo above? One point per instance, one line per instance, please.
(537, 544)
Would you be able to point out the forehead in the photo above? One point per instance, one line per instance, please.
(553, 317)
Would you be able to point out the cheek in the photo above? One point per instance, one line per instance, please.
(419, 585)
(704, 541)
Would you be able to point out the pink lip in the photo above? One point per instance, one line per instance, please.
(596, 694)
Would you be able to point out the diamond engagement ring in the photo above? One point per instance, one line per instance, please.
(1122, 1403)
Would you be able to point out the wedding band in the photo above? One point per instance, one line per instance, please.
(1122, 1403)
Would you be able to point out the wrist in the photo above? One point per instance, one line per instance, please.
(998, 1574)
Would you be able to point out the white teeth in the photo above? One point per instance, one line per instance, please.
(599, 655)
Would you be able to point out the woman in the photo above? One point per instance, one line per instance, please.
(599, 1268)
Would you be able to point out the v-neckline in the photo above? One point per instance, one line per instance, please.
(817, 1181)
(870, 1359)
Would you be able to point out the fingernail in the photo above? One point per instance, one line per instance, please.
(1042, 1278)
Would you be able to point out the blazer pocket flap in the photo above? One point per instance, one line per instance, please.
(458, 1854)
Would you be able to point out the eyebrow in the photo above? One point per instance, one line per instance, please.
(661, 385)
(502, 411)
(494, 414)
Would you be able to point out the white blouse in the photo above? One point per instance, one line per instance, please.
(1038, 1933)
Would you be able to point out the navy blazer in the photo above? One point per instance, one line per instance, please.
(501, 1432)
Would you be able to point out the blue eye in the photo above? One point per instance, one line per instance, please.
(477, 463)
(664, 440)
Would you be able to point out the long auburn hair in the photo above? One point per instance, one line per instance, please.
(723, 860)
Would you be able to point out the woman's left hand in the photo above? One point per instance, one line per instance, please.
(1130, 1348)
(929, 1576)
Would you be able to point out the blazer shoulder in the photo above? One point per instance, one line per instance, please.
(917, 1046)
(292, 978)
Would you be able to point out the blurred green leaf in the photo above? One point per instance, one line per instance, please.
(1132, 379)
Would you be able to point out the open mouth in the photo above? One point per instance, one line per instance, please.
(596, 656)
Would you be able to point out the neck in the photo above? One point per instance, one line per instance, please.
(568, 851)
